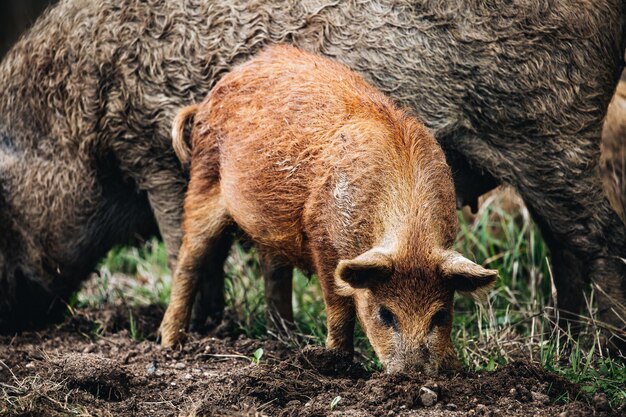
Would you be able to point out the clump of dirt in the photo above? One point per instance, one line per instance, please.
(330, 362)
(115, 319)
(90, 364)
(101, 377)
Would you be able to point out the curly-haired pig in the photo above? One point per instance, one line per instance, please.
(325, 173)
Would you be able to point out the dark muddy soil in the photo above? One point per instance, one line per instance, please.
(90, 365)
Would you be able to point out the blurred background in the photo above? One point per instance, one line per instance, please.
(15, 17)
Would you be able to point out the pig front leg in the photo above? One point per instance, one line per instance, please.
(340, 316)
(206, 219)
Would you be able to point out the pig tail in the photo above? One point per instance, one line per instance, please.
(180, 144)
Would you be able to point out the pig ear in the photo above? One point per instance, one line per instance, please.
(362, 271)
(465, 275)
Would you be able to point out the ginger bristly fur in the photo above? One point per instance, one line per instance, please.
(322, 170)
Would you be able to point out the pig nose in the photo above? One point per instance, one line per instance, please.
(417, 360)
(401, 366)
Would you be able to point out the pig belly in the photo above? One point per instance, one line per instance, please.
(269, 215)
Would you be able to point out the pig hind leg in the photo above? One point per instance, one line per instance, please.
(589, 248)
(206, 220)
(586, 237)
(208, 308)
(278, 280)
(163, 181)
(158, 174)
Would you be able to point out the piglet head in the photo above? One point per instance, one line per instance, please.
(406, 308)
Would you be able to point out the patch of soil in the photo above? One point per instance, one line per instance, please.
(99, 376)
(90, 364)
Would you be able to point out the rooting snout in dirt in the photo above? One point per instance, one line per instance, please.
(324, 173)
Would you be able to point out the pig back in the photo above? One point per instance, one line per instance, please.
(306, 144)
(277, 119)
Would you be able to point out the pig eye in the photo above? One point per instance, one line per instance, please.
(387, 317)
(439, 319)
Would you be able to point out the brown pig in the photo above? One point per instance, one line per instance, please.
(325, 173)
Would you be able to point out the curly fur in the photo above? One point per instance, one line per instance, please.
(515, 91)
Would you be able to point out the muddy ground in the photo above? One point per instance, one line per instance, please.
(90, 365)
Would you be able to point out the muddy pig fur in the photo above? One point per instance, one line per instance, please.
(322, 171)
(514, 91)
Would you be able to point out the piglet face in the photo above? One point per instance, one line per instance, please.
(407, 312)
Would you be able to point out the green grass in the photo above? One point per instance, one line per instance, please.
(514, 321)
(141, 276)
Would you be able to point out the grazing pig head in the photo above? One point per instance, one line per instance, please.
(406, 310)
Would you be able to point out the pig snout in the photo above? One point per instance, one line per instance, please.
(422, 356)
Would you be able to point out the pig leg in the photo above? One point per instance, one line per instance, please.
(608, 274)
(571, 278)
(160, 176)
(340, 310)
(589, 244)
(569, 273)
(208, 308)
(206, 219)
(166, 205)
(340, 313)
(585, 234)
(164, 183)
(166, 201)
(278, 279)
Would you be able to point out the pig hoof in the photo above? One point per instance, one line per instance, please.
(171, 339)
